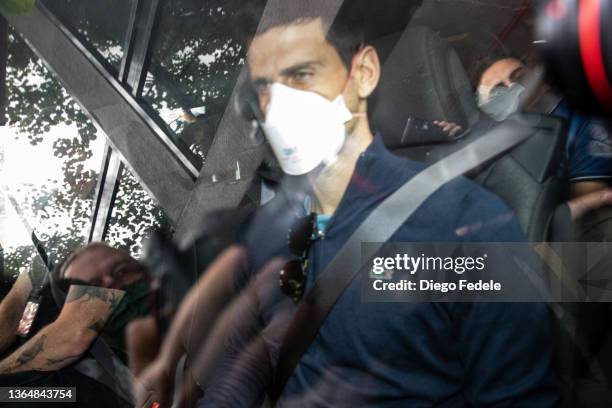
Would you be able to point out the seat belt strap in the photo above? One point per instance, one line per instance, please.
(124, 380)
(378, 228)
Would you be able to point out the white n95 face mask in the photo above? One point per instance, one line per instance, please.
(304, 128)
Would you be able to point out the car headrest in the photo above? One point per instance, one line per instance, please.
(422, 77)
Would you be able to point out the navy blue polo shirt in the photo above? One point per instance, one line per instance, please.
(588, 153)
(392, 354)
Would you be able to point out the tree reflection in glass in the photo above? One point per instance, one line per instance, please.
(51, 154)
(101, 24)
(198, 54)
(134, 214)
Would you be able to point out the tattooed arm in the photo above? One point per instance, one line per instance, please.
(12, 308)
(67, 338)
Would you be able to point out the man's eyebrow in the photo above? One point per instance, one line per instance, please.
(261, 82)
(295, 68)
(515, 73)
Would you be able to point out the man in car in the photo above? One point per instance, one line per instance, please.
(587, 161)
(313, 80)
(108, 289)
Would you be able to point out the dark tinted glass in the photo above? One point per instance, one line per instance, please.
(199, 51)
(100, 24)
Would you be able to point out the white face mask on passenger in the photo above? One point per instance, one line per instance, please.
(304, 128)
(503, 102)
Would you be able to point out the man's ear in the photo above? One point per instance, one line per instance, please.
(367, 71)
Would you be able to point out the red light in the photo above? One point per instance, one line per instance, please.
(591, 51)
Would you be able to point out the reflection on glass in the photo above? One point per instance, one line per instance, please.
(194, 66)
(17, 254)
(134, 214)
(50, 154)
(101, 24)
(23, 259)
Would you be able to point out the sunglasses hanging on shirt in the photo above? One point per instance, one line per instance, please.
(293, 275)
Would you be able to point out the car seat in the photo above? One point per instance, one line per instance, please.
(423, 77)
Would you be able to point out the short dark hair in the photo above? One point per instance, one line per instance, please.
(479, 67)
(356, 23)
(346, 30)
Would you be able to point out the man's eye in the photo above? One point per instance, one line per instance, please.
(302, 76)
(519, 74)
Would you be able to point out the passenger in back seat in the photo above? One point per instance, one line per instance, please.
(587, 163)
